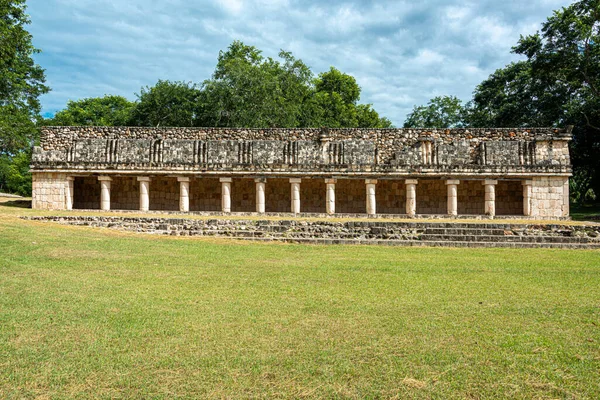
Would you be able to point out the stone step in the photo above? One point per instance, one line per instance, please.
(507, 238)
(423, 243)
(357, 232)
(465, 231)
(290, 235)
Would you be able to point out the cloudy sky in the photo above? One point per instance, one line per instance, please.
(401, 52)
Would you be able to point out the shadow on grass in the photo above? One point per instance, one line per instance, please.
(18, 203)
(586, 213)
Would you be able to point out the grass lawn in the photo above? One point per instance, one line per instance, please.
(90, 313)
(582, 213)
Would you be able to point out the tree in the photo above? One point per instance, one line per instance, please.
(440, 112)
(367, 117)
(97, 111)
(334, 81)
(249, 90)
(567, 51)
(21, 84)
(336, 97)
(556, 85)
(167, 104)
(14, 173)
(514, 96)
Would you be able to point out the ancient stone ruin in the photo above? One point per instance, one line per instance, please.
(414, 172)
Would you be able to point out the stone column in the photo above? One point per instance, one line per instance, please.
(295, 183)
(527, 197)
(144, 192)
(371, 200)
(490, 197)
(452, 185)
(225, 194)
(566, 206)
(330, 196)
(411, 197)
(184, 193)
(69, 194)
(260, 195)
(105, 192)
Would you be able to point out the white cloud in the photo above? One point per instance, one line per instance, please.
(401, 52)
(232, 6)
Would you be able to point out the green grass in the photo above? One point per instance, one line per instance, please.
(586, 212)
(90, 313)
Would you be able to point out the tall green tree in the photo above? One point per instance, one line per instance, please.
(167, 104)
(556, 85)
(440, 112)
(96, 111)
(335, 81)
(22, 81)
(249, 90)
(336, 99)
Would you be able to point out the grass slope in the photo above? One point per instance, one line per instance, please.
(97, 313)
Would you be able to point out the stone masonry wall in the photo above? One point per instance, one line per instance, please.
(86, 193)
(184, 148)
(350, 196)
(390, 196)
(49, 191)
(550, 197)
(471, 197)
(205, 194)
(124, 193)
(164, 194)
(432, 196)
(357, 232)
(278, 195)
(509, 198)
(312, 196)
(243, 195)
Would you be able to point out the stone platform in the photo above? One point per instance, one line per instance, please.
(376, 232)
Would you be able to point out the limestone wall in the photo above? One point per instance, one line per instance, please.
(509, 198)
(550, 197)
(432, 196)
(125, 193)
(312, 196)
(48, 191)
(471, 197)
(86, 193)
(205, 194)
(391, 196)
(326, 150)
(278, 195)
(164, 194)
(350, 196)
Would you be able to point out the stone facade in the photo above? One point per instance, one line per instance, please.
(455, 234)
(521, 171)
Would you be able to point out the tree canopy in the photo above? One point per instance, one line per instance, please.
(440, 112)
(245, 90)
(556, 84)
(97, 111)
(22, 81)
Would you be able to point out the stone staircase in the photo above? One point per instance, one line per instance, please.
(380, 232)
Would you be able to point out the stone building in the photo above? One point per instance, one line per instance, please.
(510, 172)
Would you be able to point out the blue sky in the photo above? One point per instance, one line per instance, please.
(402, 53)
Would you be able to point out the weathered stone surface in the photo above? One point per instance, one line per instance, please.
(376, 150)
(357, 232)
(77, 156)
